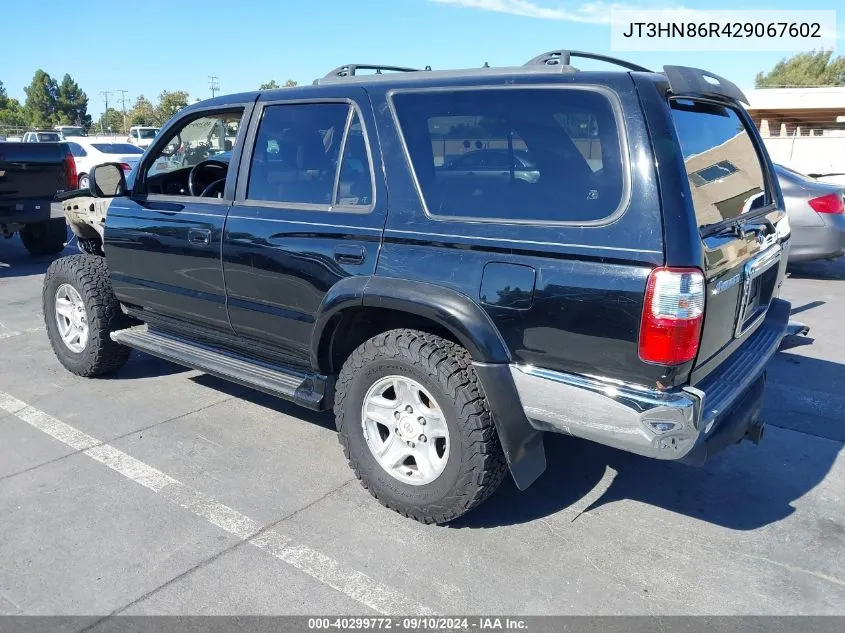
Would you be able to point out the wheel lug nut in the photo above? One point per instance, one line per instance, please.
(421, 420)
(409, 409)
(423, 438)
(411, 444)
(396, 414)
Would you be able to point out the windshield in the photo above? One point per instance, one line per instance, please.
(147, 133)
(117, 148)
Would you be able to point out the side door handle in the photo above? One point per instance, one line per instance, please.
(349, 254)
(200, 237)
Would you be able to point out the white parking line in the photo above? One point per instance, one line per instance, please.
(356, 585)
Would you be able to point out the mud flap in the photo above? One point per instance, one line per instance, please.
(522, 443)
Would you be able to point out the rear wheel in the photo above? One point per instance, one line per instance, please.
(83, 181)
(45, 238)
(415, 426)
(80, 311)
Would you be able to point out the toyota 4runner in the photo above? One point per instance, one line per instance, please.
(455, 261)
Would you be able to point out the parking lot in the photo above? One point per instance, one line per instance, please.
(165, 491)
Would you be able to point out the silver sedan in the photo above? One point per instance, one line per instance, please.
(816, 213)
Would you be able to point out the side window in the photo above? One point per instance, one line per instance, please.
(76, 150)
(295, 158)
(355, 185)
(198, 139)
(526, 154)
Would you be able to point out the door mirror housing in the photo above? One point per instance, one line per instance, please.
(107, 181)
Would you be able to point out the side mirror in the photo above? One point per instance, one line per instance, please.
(107, 181)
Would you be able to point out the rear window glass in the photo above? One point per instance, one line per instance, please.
(117, 148)
(48, 137)
(527, 154)
(720, 159)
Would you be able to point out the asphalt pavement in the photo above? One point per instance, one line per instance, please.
(166, 491)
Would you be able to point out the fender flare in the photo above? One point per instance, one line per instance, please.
(470, 324)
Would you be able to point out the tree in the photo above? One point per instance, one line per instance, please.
(142, 112)
(113, 119)
(805, 69)
(169, 103)
(272, 85)
(12, 112)
(72, 103)
(41, 97)
(4, 98)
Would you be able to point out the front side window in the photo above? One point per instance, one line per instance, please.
(722, 164)
(207, 137)
(525, 154)
(297, 157)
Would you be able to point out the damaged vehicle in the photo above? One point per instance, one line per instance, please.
(612, 272)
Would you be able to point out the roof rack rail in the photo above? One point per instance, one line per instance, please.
(350, 70)
(562, 57)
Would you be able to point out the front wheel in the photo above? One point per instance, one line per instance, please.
(80, 311)
(416, 427)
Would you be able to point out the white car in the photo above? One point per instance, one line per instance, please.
(89, 152)
(142, 136)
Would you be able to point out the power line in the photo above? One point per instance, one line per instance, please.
(213, 85)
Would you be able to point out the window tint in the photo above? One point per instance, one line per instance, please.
(355, 187)
(195, 141)
(117, 148)
(721, 162)
(76, 150)
(528, 154)
(296, 153)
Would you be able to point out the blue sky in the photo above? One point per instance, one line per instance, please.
(148, 46)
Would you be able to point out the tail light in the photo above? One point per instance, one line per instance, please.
(670, 330)
(71, 180)
(126, 166)
(831, 203)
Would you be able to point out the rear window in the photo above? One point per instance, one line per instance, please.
(721, 161)
(527, 154)
(117, 148)
(48, 137)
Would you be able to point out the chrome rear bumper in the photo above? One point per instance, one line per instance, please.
(650, 422)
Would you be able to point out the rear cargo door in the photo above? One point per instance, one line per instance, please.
(737, 213)
(33, 171)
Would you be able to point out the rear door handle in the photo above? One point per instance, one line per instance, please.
(200, 237)
(349, 254)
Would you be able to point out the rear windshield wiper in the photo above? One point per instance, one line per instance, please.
(733, 226)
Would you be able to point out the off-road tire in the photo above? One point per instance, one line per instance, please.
(476, 464)
(89, 275)
(45, 238)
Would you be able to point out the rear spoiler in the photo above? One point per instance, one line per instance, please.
(694, 82)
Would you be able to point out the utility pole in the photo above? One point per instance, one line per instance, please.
(213, 85)
(123, 104)
(105, 94)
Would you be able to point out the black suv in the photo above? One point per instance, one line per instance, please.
(455, 261)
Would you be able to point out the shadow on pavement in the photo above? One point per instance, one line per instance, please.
(15, 261)
(743, 488)
(832, 270)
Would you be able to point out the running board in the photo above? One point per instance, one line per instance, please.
(309, 390)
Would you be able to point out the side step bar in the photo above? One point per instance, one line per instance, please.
(309, 390)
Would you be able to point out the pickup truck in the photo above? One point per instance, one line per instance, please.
(31, 174)
(456, 262)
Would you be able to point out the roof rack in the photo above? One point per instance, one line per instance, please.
(562, 57)
(350, 70)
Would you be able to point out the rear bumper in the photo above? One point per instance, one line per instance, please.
(818, 242)
(690, 423)
(24, 212)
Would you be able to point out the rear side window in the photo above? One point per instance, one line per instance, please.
(721, 161)
(297, 157)
(76, 150)
(527, 154)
